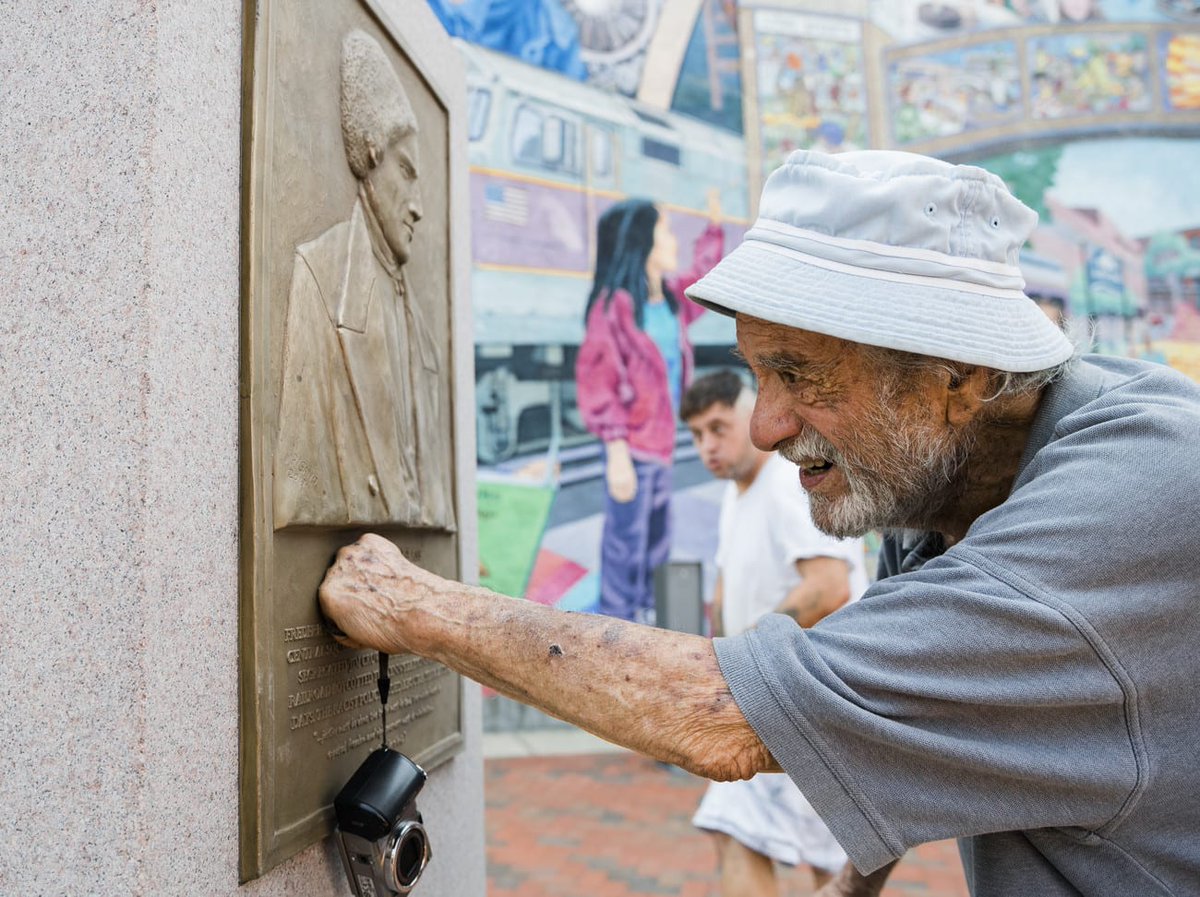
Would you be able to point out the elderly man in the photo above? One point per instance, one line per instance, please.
(363, 405)
(1022, 677)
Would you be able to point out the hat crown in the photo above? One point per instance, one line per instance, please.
(894, 250)
(899, 200)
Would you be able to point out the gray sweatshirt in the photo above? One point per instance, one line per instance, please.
(1031, 691)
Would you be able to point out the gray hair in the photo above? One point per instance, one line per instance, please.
(375, 108)
(896, 369)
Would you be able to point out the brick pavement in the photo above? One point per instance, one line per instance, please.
(617, 825)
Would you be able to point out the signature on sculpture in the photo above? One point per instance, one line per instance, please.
(364, 402)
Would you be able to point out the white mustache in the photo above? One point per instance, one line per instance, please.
(809, 446)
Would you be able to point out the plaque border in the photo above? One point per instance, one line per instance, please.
(262, 843)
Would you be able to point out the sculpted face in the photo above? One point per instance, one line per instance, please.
(395, 195)
(867, 459)
(722, 436)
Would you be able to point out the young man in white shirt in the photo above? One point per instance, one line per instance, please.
(772, 559)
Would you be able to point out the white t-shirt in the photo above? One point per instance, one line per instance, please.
(761, 534)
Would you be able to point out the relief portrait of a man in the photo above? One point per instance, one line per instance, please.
(364, 404)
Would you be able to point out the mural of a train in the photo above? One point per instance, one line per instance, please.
(548, 156)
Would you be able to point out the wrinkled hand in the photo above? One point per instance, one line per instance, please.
(367, 591)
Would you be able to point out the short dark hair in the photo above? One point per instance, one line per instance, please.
(723, 386)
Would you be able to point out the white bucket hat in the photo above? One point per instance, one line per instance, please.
(891, 249)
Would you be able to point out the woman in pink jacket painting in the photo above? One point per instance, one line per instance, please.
(633, 365)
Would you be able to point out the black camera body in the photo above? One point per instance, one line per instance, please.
(380, 834)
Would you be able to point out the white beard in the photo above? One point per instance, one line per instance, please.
(912, 481)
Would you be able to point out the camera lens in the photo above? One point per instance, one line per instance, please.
(406, 857)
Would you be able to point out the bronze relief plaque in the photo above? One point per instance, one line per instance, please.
(349, 372)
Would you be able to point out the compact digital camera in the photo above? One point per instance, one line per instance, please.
(380, 834)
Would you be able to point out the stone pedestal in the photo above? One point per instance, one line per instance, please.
(120, 170)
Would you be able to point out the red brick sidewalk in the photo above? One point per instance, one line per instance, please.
(616, 825)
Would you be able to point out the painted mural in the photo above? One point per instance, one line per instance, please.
(953, 91)
(1090, 110)
(1180, 73)
(614, 36)
(603, 43)
(633, 365)
(538, 32)
(1082, 74)
(709, 86)
(1121, 264)
(564, 177)
(1087, 109)
(918, 21)
(810, 84)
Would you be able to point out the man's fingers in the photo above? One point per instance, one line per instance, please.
(365, 541)
(356, 585)
(344, 553)
(323, 597)
(346, 642)
(372, 540)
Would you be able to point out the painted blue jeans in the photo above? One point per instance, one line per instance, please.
(636, 540)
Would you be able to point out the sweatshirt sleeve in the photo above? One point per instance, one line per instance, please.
(706, 252)
(603, 390)
(943, 704)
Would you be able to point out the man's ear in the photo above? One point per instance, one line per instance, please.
(372, 155)
(967, 390)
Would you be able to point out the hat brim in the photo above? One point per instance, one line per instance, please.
(1007, 334)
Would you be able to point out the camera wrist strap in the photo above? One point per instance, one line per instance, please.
(384, 684)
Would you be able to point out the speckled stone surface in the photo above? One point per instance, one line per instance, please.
(120, 178)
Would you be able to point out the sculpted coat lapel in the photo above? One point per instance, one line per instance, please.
(431, 395)
(359, 392)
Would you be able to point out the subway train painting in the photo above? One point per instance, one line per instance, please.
(549, 156)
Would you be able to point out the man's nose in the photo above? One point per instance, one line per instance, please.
(706, 444)
(772, 420)
(414, 208)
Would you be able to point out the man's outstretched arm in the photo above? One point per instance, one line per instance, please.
(657, 692)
